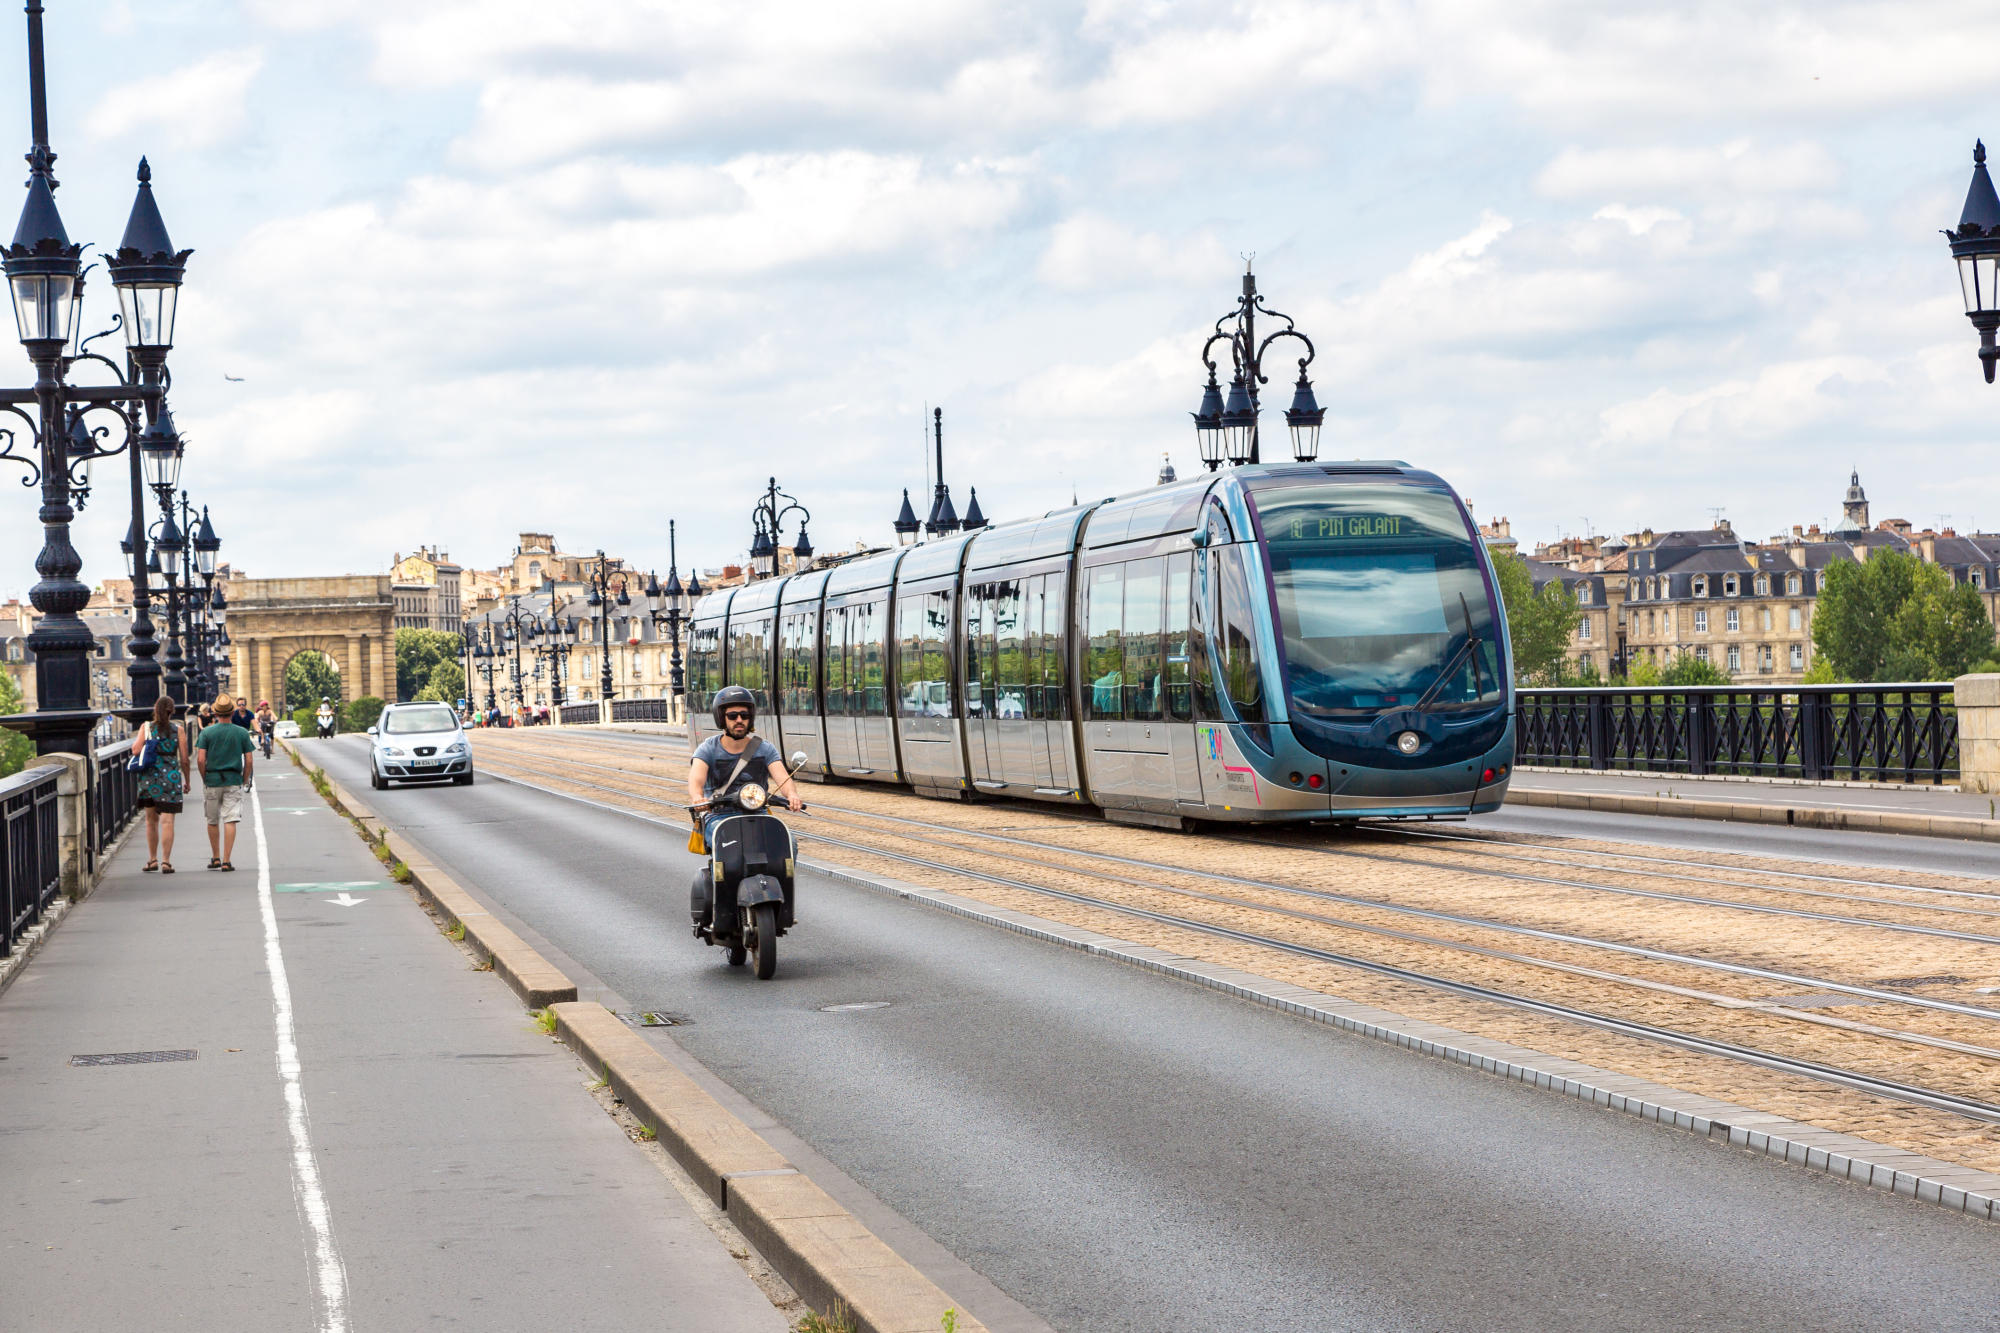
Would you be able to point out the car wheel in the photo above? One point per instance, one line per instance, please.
(375, 778)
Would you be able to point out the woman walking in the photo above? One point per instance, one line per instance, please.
(162, 785)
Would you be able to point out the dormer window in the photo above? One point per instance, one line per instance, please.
(1730, 585)
(1583, 594)
(1700, 585)
(1763, 585)
(1791, 585)
(1978, 577)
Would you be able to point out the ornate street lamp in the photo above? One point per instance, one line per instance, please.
(1976, 247)
(943, 519)
(906, 524)
(668, 605)
(769, 518)
(1230, 430)
(45, 286)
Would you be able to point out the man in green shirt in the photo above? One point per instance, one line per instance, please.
(225, 756)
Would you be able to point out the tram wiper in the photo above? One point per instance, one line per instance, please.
(1472, 642)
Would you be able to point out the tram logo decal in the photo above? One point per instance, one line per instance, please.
(1213, 735)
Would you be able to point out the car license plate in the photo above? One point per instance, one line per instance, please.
(429, 763)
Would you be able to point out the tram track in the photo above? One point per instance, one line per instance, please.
(1851, 1078)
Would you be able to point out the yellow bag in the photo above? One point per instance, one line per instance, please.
(696, 844)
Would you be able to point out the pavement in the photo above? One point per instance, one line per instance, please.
(1108, 1148)
(367, 1134)
(1913, 799)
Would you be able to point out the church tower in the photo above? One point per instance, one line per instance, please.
(1854, 510)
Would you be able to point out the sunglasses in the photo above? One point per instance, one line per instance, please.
(735, 715)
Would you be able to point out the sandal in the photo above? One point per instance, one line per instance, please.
(226, 866)
(166, 867)
(215, 863)
(150, 865)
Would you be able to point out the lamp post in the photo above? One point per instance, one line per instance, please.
(1229, 430)
(556, 650)
(943, 519)
(522, 625)
(482, 652)
(668, 606)
(769, 518)
(1976, 248)
(600, 601)
(45, 281)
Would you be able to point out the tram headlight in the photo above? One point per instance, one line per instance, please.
(1409, 742)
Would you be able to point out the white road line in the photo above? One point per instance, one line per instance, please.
(329, 1274)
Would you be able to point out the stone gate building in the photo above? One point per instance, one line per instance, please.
(350, 618)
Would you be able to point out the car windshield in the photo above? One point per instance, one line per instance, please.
(415, 721)
(1381, 600)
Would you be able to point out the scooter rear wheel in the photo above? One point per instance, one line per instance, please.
(766, 917)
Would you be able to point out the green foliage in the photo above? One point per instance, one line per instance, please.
(1687, 669)
(446, 684)
(308, 722)
(1896, 618)
(419, 652)
(361, 714)
(15, 749)
(1820, 673)
(310, 676)
(1538, 625)
(839, 1321)
(1645, 671)
(1587, 676)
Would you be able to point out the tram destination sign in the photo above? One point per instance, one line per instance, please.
(1305, 528)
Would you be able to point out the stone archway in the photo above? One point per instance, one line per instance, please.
(332, 685)
(350, 619)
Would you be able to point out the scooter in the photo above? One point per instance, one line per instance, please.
(325, 727)
(745, 897)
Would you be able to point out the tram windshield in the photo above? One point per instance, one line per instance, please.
(1381, 602)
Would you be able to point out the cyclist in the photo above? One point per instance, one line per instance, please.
(267, 725)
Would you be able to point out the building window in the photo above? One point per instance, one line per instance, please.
(1583, 594)
(1701, 622)
(1798, 657)
(1735, 658)
(1763, 585)
(1731, 621)
(1978, 577)
(1650, 588)
(1791, 585)
(1701, 653)
(1764, 618)
(1792, 617)
(1700, 585)
(1649, 623)
(1583, 630)
(1730, 585)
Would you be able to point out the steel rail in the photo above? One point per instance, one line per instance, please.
(1887, 1088)
(1634, 950)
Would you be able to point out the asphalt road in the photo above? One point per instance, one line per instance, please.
(1122, 1151)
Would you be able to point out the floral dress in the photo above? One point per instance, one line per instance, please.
(162, 782)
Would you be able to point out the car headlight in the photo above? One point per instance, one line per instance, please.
(395, 753)
(456, 747)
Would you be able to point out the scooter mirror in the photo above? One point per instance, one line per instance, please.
(798, 759)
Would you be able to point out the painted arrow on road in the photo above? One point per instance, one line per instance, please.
(346, 899)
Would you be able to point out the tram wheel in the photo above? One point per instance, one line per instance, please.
(766, 917)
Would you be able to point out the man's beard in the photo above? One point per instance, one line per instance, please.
(738, 730)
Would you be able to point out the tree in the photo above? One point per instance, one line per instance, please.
(1893, 617)
(1687, 669)
(446, 684)
(361, 714)
(309, 677)
(418, 654)
(15, 749)
(1539, 625)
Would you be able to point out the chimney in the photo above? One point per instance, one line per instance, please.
(1928, 543)
(1798, 554)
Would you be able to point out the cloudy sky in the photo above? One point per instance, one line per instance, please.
(504, 266)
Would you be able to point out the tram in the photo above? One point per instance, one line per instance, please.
(1291, 642)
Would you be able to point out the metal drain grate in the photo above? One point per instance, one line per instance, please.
(654, 1020)
(131, 1058)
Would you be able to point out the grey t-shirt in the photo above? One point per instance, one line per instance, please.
(763, 758)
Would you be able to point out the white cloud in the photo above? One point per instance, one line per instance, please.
(1091, 250)
(195, 105)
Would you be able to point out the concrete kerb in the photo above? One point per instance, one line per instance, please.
(816, 1245)
(1855, 821)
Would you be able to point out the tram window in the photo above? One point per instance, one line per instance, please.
(1144, 580)
(1201, 616)
(795, 666)
(1105, 614)
(1242, 677)
(704, 664)
(1055, 648)
(835, 624)
(750, 658)
(923, 670)
(1010, 666)
(978, 635)
(868, 688)
(1179, 569)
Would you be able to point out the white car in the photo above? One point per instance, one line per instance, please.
(418, 743)
(286, 730)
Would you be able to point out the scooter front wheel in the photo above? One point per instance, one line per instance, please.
(736, 955)
(766, 917)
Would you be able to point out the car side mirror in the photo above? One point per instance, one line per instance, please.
(371, 731)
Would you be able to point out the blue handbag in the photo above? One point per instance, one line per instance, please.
(143, 760)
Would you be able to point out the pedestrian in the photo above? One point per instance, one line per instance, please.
(225, 756)
(162, 785)
(243, 717)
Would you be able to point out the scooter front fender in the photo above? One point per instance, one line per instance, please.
(755, 889)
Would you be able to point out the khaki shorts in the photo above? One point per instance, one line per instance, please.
(222, 805)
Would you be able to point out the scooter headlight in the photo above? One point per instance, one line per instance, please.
(751, 796)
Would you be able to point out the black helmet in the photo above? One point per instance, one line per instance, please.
(733, 696)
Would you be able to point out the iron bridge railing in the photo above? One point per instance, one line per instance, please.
(1873, 733)
(577, 715)
(30, 850)
(642, 710)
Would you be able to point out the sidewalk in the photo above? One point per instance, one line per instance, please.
(1921, 809)
(426, 1156)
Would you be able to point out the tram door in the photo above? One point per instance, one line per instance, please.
(798, 685)
(1000, 736)
(868, 684)
(1045, 628)
(843, 751)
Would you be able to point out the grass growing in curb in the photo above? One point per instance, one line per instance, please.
(457, 932)
(545, 1019)
(950, 1320)
(839, 1321)
(646, 1133)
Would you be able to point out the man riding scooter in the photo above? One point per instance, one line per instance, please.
(733, 757)
(744, 898)
(325, 717)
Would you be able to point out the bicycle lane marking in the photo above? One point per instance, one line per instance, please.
(328, 1272)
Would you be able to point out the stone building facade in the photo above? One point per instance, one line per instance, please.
(349, 618)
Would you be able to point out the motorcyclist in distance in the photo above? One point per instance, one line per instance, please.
(715, 759)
